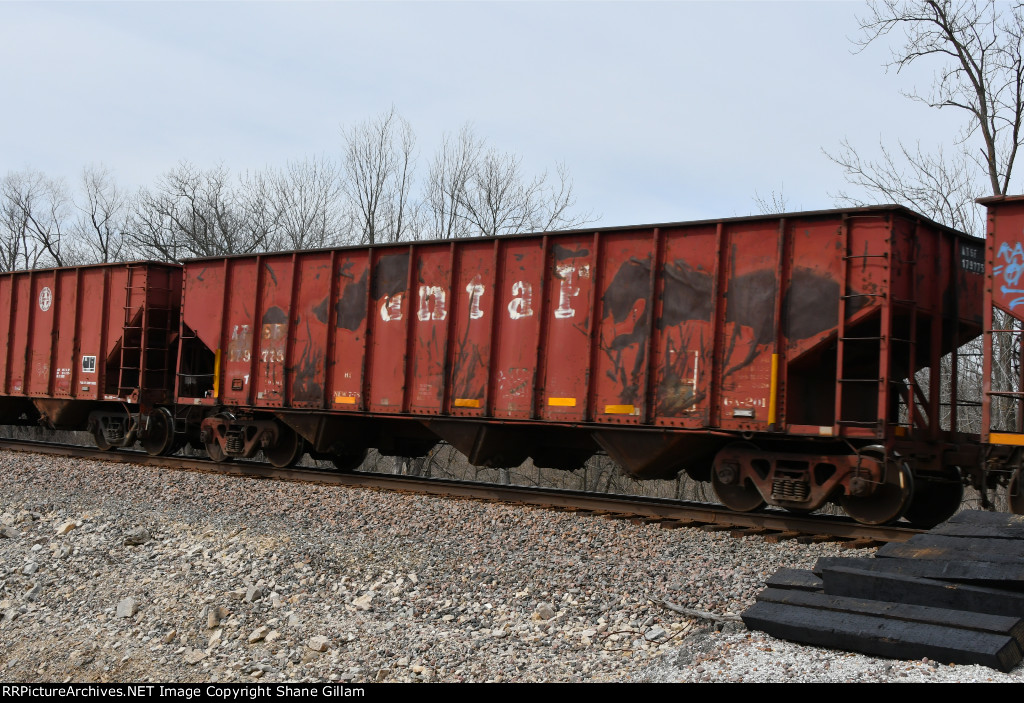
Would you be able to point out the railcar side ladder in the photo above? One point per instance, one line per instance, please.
(857, 344)
(145, 342)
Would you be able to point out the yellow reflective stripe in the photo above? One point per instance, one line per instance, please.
(467, 403)
(1004, 438)
(216, 374)
(565, 402)
(772, 402)
(618, 409)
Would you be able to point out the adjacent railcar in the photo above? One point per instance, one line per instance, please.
(1002, 429)
(778, 357)
(92, 347)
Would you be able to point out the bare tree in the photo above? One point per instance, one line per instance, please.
(980, 72)
(499, 200)
(195, 213)
(103, 215)
(308, 199)
(379, 163)
(447, 182)
(35, 212)
(774, 203)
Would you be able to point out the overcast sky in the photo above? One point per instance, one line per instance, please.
(661, 111)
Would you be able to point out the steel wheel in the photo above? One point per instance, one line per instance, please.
(160, 436)
(889, 500)
(288, 449)
(347, 463)
(101, 439)
(934, 502)
(215, 451)
(1015, 494)
(736, 495)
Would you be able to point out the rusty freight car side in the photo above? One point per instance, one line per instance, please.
(91, 346)
(776, 356)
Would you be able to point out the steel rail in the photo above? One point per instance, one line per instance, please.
(654, 509)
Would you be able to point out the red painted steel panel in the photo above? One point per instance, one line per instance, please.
(6, 308)
(521, 294)
(20, 344)
(620, 372)
(274, 315)
(683, 342)
(307, 351)
(42, 332)
(474, 310)
(240, 362)
(746, 324)
(91, 361)
(431, 302)
(66, 369)
(349, 316)
(566, 322)
(391, 312)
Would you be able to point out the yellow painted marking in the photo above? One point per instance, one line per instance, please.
(772, 403)
(825, 431)
(564, 402)
(1003, 438)
(467, 403)
(345, 399)
(216, 374)
(618, 409)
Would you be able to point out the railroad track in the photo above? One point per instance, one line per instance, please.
(772, 525)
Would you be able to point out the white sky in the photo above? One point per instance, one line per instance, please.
(661, 111)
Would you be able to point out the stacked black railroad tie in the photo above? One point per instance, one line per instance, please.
(954, 595)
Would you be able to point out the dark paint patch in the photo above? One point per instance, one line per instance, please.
(351, 306)
(629, 284)
(275, 316)
(390, 275)
(308, 371)
(562, 253)
(320, 311)
(271, 272)
(750, 302)
(811, 304)
(687, 295)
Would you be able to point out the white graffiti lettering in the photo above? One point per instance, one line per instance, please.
(476, 291)
(1011, 271)
(439, 309)
(566, 291)
(521, 305)
(391, 308)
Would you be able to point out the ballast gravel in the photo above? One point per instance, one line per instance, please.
(119, 573)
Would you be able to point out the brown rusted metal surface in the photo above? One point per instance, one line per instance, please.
(89, 333)
(659, 345)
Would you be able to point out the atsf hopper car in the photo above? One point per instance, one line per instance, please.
(92, 347)
(778, 357)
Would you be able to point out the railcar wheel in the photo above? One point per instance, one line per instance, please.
(347, 463)
(732, 491)
(101, 440)
(1015, 493)
(288, 449)
(215, 451)
(160, 435)
(888, 502)
(934, 502)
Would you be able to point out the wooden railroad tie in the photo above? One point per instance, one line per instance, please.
(954, 594)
